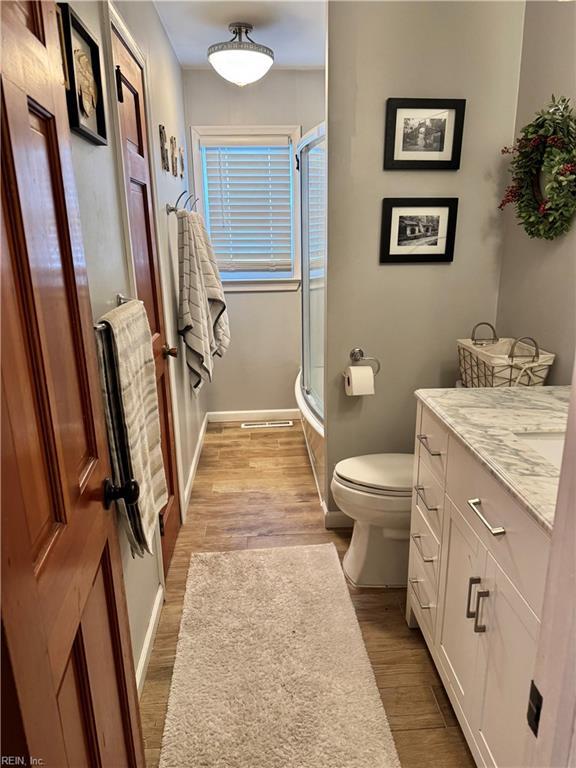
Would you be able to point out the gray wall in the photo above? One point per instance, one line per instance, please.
(99, 201)
(409, 316)
(538, 283)
(259, 369)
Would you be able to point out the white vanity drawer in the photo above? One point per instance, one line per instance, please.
(432, 444)
(516, 541)
(429, 498)
(424, 546)
(423, 597)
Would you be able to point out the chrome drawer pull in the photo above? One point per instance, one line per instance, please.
(424, 440)
(495, 531)
(414, 582)
(479, 595)
(416, 537)
(420, 493)
(470, 614)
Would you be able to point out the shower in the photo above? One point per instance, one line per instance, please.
(310, 382)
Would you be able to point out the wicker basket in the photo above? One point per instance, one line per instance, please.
(494, 362)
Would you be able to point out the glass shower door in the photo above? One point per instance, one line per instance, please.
(313, 178)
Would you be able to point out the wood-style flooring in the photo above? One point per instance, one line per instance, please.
(254, 488)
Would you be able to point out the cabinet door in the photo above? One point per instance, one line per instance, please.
(506, 656)
(465, 561)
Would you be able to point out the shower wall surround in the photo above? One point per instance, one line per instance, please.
(410, 315)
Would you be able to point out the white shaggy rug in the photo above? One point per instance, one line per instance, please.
(271, 669)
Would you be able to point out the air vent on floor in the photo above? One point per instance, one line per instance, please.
(265, 424)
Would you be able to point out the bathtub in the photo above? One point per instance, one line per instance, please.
(314, 434)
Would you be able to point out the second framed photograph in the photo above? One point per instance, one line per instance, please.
(418, 230)
(423, 134)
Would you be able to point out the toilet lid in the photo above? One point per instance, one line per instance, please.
(379, 471)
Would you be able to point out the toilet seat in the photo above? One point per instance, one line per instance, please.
(382, 474)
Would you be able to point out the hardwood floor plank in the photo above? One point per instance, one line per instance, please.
(254, 489)
(411, 708)
(432, 748)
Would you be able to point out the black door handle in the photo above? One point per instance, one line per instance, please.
(130, 492)
(119, 91)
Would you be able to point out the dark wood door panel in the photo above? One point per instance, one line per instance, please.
(24, 650)
(48, 252)
(141, 253)
(43, 505)
(76, 712)
(99, 635)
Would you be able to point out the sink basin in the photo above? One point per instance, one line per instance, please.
(550, 445)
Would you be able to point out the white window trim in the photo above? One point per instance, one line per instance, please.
(294, 132)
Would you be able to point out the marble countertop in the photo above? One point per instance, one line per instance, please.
(487, 422)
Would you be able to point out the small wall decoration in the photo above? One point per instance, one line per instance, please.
(174, 155)
(423, 134)
(81, 61)
(543, 172)
(418, 230)
(181, 157)
(163, 149)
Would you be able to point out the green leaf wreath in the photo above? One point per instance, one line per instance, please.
(543, 171)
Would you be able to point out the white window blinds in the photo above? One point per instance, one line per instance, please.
(248, 202)
(317, 207)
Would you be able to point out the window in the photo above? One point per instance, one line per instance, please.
(245, 179)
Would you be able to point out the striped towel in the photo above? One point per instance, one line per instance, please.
(137, 417)
(128, 514)
(202, 315)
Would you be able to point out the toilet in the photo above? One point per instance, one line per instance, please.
(376, 491)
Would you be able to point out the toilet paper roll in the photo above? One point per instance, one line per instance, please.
(359, 380)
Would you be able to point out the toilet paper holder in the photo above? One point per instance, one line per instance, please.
(357, 356)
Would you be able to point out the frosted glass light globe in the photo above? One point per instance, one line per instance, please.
(240, 66)
(241, 60)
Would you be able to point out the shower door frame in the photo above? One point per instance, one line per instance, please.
(311, 139)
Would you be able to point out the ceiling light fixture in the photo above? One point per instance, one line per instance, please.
(241, 60)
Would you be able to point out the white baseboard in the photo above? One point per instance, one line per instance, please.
(334, 518)
(144, 659)
(187, 492)
(271, 415)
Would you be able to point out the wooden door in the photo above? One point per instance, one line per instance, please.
(133, 128)
(506, 657)
(457, 641)
(67, 660)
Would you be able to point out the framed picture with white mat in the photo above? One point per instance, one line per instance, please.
(418, 230)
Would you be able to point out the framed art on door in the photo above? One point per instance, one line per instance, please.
(81, 63)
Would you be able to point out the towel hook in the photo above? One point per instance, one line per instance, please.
(188, 199)
(121, 299)
(174, 208)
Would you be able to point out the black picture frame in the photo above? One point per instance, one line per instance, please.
(393, 163)
(390, 254)
(70, 24)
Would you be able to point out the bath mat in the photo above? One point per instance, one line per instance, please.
(271, 669)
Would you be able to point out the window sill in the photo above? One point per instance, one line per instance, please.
(261, 286)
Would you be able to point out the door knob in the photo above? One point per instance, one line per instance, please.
(130, 492)
(168, 351)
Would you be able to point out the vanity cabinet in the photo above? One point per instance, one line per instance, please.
(477, 572)
(464, 566)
